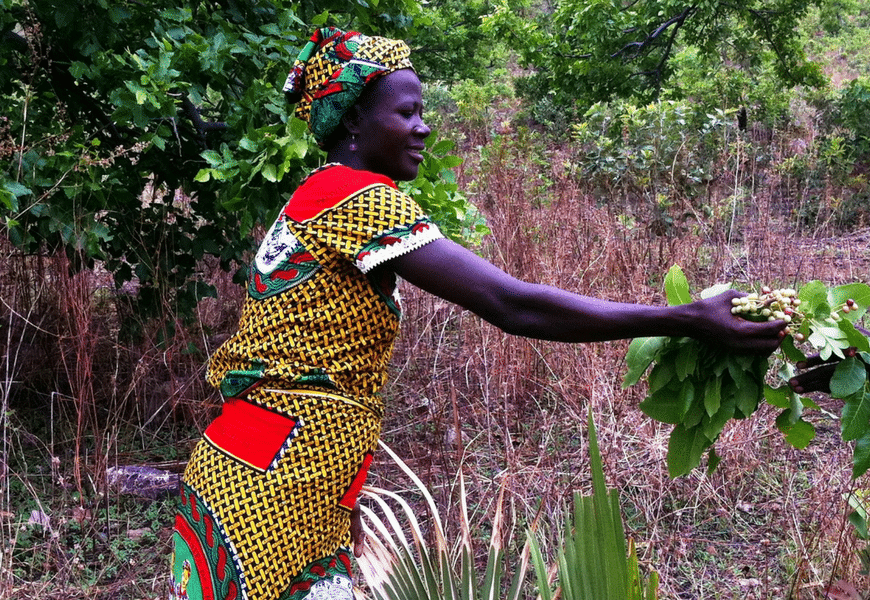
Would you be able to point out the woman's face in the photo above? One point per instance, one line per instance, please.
(391, 132)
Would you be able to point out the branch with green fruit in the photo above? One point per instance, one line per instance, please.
(699, 388)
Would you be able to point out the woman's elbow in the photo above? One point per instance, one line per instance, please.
(509, 319)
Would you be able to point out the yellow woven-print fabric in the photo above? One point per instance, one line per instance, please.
(284, 519)
(340, 323)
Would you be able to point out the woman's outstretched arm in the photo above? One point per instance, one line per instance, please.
(456, 274)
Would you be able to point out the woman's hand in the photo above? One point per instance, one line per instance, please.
(719, 326)
(357, 533)
(818, 379)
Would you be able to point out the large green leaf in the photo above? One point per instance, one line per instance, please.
(814, 299)
(712, 425)
(778, 396)
(855, 338)
(687, 360)
(661, 375)
(670, 405)
(747, 397)
(641, 353)
(849, 376)
(861, 456)
(713, 395)
(677, 287)
(855, 416)
(685, 449)
(800, 434)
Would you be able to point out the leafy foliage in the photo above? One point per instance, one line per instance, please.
(741, 82)
(651, 154)
(436, 190)
(594, 51)
(150, 136)
(448, 42)
(852, 112)
(699, 388)
(694, 386)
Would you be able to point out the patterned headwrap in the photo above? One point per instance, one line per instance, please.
(332, 70)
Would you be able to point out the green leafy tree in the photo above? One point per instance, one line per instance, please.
(152, 135)
(594, 50)
(452, 45)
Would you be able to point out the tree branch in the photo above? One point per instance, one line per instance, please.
(203, 128)
(639, 47)
(763, 18)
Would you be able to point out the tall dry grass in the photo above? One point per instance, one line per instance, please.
(506, 412)
(77, 399)
(769, 523)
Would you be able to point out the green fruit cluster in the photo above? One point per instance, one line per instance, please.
(782, 304)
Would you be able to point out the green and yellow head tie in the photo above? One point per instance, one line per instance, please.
(332, 70)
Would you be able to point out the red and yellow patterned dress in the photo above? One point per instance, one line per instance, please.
(267, 494)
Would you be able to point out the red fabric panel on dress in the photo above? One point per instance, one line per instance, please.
(250, 433)
(325, 190)
(349, 499)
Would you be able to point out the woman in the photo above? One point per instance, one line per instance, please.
(268, 493)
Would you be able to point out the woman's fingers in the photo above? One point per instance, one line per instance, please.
(357, 534)
(814, 380)
(815, 360)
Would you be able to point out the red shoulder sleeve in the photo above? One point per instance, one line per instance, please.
(327, 189)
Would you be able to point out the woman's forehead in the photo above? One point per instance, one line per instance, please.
(397, 86)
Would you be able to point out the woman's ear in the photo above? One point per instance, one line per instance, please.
(351, 119)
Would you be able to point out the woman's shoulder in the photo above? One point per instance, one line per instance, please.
(326, 188)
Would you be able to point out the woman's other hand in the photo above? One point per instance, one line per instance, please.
(357, 533)
(818, 378)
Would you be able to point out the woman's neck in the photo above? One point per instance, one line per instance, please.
(341, 153)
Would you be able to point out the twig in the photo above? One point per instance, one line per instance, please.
(203, 128)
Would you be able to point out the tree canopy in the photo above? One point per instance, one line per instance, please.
(151, 135)
(595, 50)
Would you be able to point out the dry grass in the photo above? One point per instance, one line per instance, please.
(770, 523)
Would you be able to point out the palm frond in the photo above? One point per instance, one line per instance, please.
(400, 563)
(593, 562)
